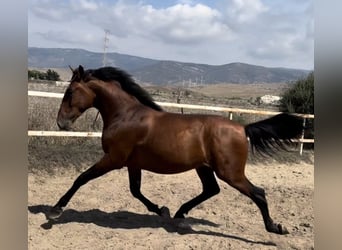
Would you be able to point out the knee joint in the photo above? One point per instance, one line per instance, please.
(212, 190)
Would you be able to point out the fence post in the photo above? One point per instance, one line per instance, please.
(230, 115)
(302, 137)
(179, 100)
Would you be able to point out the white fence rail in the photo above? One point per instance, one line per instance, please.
(64, 133)
(302, 140)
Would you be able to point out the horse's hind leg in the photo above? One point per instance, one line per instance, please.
(134, 184)
(239, 181)
(210, 188)
(100, 168)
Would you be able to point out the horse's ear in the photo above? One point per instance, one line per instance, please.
(72, 70)
(80, 71)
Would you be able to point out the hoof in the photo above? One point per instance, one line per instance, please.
(165, 212)
(179, 216)
(282, 229)
(54, 213)
(278, 229)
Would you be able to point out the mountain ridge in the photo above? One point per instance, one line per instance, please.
(164, 72)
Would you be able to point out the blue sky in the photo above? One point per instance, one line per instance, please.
(272, 33)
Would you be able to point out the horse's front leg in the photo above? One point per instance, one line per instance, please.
(135, 184)
(100, 168)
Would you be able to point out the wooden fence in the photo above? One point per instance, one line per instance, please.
(302, 140)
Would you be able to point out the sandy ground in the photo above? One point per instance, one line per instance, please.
(104, 215)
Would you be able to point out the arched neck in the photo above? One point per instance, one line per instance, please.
(112, 102)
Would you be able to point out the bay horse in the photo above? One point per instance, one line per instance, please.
(138, 134)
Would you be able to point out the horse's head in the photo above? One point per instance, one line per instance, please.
(78, 97)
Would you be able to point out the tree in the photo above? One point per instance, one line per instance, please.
(50, 75)
(300, 99)
(33, 74)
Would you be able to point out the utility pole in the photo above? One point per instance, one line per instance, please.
(105, 46)
(104, 62)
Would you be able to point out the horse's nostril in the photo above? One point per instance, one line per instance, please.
(59, 125)
(62, 125)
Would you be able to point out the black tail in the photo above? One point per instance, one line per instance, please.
(276, 132)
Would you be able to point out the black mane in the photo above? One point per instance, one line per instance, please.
(127, 84)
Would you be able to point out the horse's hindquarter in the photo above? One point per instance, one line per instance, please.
(229, 146)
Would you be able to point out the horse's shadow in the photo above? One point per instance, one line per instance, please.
(130, 220)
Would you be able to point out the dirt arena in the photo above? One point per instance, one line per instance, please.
(104, 215)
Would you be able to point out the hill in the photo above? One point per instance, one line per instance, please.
(158, 72)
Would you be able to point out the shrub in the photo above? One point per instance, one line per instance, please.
(300, 99)
(50, 75)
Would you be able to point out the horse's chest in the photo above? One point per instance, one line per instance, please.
(122, 139)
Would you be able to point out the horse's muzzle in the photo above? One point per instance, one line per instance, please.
(64, 124)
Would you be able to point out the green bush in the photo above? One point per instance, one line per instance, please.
(35, 74)
(49, 75)
(300, 99)
(52, 75)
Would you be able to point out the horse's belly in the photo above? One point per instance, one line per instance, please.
(165, 163)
